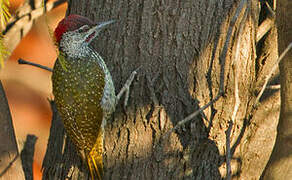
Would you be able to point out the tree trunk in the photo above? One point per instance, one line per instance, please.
(280, 163)
(180, 48)
(10, 164)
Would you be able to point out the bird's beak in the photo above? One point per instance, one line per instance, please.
(103, 24)
(93, 32)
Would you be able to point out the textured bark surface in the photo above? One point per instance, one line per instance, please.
(10, 164)
(178, 45)
(280, 163)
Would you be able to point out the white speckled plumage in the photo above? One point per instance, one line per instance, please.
(83, 89)
(72, 44)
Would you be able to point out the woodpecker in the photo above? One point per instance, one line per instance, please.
(83, 88)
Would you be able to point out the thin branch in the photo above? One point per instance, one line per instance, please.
(264, 28)
(210, 83)
(228, 152)
(20, 24)
(194, 114)
(237, 99)
(126, 88)
(235, 66)
(271, 73)
(246, 121)
(222, 60)
(236, 94)
(21, 61)
(34, 12)
(270, 10)
(274, 87)
(9, 165)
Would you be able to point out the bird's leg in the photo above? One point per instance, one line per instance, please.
(126, 88)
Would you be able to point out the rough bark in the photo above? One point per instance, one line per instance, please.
(178, 45)
(280, 163)
(10, 164)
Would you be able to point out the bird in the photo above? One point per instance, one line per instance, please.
(83, 88)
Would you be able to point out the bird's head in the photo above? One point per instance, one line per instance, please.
(76, 31)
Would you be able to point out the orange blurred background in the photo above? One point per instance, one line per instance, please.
(28, 88)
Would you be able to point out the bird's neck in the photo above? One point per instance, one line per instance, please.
(83, 53)
(75, 52)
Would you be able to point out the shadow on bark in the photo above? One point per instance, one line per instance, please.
(174, 56)
(62, 161)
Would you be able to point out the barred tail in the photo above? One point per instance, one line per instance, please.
(94, 159)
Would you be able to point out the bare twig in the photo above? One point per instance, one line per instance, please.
(8, 166)
(20, 24)
(21, 61)
(228, 152)
(274, 87)
(222, 60)
(236, 94)
(210, 84)
(270, 10)
(271, 73)
(237, 99)
(126, 88)
(265, 26)
(235, 65)
(194, 114)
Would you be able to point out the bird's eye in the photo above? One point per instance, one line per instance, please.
(83, 29)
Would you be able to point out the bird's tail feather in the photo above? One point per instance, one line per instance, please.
(94, 160)
(95, 167)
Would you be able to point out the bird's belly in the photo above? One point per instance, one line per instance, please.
(78, 94)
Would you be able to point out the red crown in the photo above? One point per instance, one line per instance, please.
(70, 23)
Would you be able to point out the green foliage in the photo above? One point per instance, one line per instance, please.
(4, 17)
(4, 12)
(3, 52)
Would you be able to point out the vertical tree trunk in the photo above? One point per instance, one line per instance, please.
(178, 45)
(280, 163)
(10, 164)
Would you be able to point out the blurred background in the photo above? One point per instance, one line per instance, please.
(29, 88)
